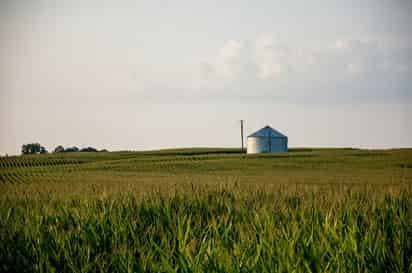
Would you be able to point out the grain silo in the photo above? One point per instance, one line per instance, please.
(267, 140)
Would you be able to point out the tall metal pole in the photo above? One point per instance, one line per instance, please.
(241, 132)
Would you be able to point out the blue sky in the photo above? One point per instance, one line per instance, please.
(133, 75)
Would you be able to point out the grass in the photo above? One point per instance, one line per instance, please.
(207, 210)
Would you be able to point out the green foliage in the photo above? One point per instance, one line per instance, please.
(72, 149)
(33, 148)
(88, 149)
(207, 210)
(217, 231)
(58, 149)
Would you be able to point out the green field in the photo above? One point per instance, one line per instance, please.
(207, 210)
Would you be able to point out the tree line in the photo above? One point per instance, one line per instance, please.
(37, 148)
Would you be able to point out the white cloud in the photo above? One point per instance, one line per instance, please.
(269, 58)
(358, 57)
(275, 60)
(345, 70)
(226, 64)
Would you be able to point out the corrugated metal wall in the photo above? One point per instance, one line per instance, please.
(266, 145)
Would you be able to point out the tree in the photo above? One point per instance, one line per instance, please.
(33, 148)
(88, 149)
(59, 149)
(72, 149)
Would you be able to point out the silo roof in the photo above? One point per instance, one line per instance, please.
(266, 132)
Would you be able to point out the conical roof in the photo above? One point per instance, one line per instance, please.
(267, 131)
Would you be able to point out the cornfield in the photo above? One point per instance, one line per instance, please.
(207, 210)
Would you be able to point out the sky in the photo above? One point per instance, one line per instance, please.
(140, 75)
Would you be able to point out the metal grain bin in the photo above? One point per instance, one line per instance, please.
(267, 140)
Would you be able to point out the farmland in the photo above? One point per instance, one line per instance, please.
(207, 210)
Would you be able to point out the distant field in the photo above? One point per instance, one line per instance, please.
(207, 210)
(140, 172)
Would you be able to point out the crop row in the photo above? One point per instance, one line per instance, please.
(15, 177)
(35, 173)
(22, 162)
(214, 232)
